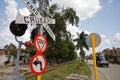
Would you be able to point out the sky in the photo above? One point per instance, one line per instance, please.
(96, 16)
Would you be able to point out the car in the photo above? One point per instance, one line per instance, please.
(101, 61)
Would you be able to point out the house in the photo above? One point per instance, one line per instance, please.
(118, 54)
(3, 57)
(1, 52)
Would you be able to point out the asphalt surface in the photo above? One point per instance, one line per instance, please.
(106, 73)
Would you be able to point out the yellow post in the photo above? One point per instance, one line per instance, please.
(39, 77)
(94, 56)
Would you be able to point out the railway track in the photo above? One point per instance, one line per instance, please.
(29, 75)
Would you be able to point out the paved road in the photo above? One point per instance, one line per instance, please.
(110, 73)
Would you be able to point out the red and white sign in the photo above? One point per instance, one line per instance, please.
(40, 43)
(38, 64)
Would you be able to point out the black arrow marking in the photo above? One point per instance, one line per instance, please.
(36, 62)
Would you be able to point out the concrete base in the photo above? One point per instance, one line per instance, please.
(76, 77)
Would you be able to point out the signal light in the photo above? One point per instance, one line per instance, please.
(27, 43)
(17, 29)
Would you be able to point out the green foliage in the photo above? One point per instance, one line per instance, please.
(30, 50)
(62, 49)
(62, 72)
(70, 15)
(10, 49)
(81, 43)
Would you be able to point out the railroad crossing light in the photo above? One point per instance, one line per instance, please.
(17, 29)
(27, 43)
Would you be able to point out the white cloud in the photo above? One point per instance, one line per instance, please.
(6, 37)
(24, 11)
(117, 36)
(11, 9)
(107, 41)
(74, 30)
(104, 39)
(103, 36)
(84, 8)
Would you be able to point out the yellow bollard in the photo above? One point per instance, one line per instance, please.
(39, 77)
(94, 56)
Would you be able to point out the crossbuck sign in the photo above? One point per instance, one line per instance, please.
(37, 19)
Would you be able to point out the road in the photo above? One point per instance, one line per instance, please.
(107, 73)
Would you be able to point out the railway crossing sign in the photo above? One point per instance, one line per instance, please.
(38, 64)
(37, 19)
(31, 8)
(33, 20)
(49, 31)
(40, 43)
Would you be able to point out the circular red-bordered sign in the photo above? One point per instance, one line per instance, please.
(40, 43)
(38, 64)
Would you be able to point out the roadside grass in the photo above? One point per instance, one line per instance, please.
(60, 73)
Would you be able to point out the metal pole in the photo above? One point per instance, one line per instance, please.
(40, 31)
(94, 56)
(38, 77)
(18, 57)
(17, 75)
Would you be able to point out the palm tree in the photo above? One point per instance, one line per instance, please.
(61, 16)
(81, 43)
(69, 14)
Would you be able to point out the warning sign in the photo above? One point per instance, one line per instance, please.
(40, 43)
(38, 64)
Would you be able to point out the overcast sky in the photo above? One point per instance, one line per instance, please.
(98, 16)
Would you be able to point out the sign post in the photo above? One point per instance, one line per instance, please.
(93, 40)
(39, 77)
(40, 42)
(36, 19)
(94, 56)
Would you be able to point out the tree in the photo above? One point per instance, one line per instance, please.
(30, 50)
(70, 15)
(81, 43)
(60, 49)
(10, 49)
(61, 16)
